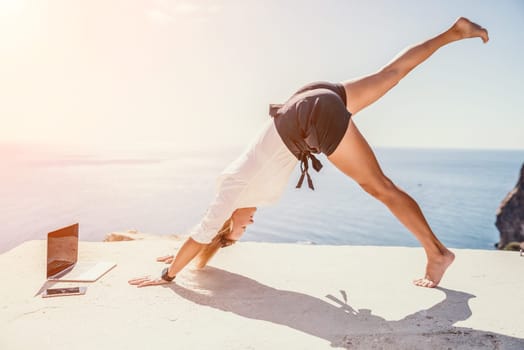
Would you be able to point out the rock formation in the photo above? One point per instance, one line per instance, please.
(132, 235)
(510, 215)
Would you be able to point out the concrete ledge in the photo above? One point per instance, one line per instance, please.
(267, 296)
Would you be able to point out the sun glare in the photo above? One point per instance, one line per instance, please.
(11, 7)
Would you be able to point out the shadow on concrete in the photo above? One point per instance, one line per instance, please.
(339, 323)
(46, 285)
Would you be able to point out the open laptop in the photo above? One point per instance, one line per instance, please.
(62, 256)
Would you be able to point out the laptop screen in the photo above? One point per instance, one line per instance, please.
(62, 249)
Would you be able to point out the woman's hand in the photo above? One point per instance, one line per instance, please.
(147, 281)
(187, 252)
(168, 259)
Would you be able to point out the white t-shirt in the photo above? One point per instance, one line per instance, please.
(256, 178)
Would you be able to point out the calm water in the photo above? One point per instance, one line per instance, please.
(459, 192)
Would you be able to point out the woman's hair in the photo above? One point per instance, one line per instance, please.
(220, 241)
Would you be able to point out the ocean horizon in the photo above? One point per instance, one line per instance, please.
(163, 192)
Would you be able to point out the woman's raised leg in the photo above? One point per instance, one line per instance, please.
(362, 92)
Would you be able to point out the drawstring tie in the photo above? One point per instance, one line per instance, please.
(304, 155)
(304, 167)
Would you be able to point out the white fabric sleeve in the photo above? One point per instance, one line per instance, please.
(234, 184)
(220, 209)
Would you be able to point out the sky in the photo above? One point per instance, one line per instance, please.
(178, 75)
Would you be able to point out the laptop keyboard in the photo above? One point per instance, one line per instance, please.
(89, 271)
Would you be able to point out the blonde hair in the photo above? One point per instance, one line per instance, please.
(220, 241)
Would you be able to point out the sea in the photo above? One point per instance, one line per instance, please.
(167, 192)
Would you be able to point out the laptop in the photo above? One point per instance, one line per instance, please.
(62, 258)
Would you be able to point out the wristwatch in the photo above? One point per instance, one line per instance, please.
(165, 275)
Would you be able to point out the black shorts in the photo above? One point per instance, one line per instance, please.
(314, 118)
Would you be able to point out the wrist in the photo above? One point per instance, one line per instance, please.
(165, 275)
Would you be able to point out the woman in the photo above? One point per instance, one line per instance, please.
(317, 118)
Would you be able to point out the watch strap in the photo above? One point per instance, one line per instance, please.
(165, 275)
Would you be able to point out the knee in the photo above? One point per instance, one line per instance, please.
(382, 189)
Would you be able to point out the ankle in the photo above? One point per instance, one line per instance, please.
(452, 34)
(439, 253)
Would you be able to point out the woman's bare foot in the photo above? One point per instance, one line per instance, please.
(435, 269)
(464, 28)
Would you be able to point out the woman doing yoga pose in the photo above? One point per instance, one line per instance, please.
(318, 118)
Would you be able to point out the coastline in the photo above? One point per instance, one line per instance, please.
(266, 295)
(459, 194)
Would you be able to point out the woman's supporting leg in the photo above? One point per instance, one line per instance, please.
(355, 158)
(362, 92)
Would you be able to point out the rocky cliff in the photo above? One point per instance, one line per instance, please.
(134, 235)
(510, 215)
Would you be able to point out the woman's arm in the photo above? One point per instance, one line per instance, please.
(231, 186)
(187, 252)
(218, 212)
